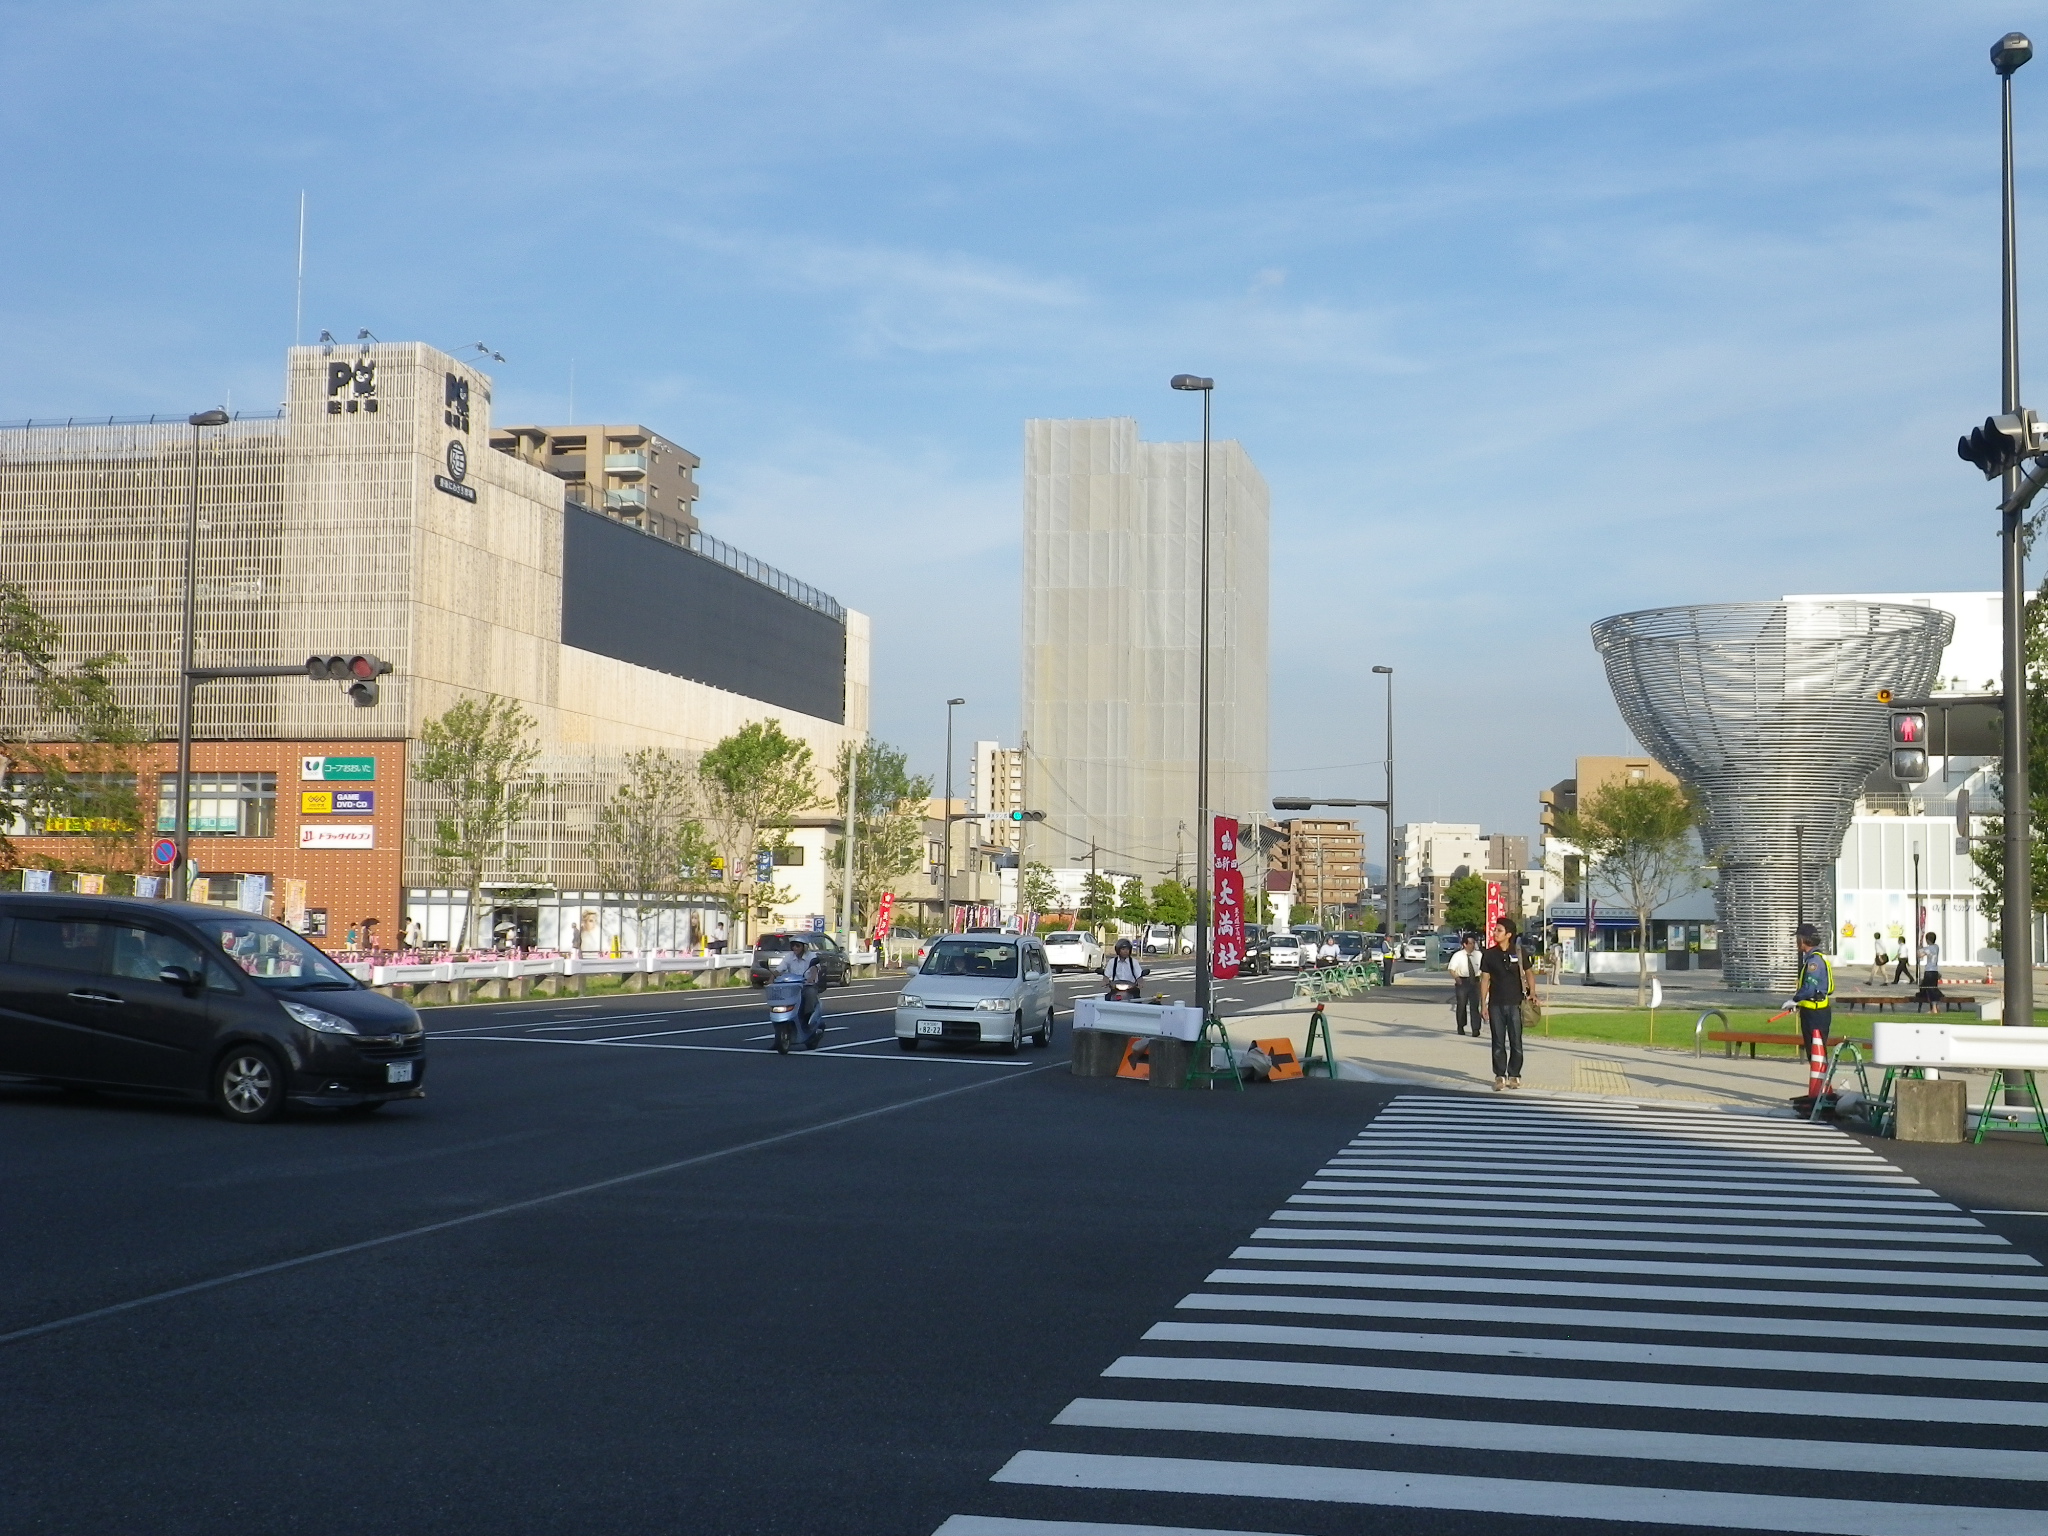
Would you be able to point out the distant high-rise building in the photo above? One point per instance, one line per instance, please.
(995, 787)
(1112, 557)
(1326, 858)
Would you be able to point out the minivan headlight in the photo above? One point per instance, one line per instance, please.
(909, 1000)
(319, 1019)
(996, 1004)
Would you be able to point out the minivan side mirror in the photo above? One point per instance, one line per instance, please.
(182, 977)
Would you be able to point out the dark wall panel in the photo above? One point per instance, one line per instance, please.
(658, 605)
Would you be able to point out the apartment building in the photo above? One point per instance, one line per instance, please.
(1325, 857)
(995, 787)
(626, 472)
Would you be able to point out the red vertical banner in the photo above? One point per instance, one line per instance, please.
(1494, 910)
(885, 916)
(1226, 906)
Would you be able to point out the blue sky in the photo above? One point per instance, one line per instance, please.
(1529, 313)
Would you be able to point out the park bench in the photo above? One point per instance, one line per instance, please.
(1736, 1038)
(1851, 1002)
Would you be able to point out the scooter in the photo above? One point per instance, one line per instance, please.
(785, 1017)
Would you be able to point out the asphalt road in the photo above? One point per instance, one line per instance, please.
(628, 1270)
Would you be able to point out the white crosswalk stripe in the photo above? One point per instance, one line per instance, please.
(1584, 1313)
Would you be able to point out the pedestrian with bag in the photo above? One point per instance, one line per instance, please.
(1464, 969)
(1504, 987)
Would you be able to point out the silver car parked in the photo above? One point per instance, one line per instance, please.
(978, 988)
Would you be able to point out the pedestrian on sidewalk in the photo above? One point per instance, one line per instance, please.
(1878, 964)
(1902, 950)
(1503, 988)
(1464, 970)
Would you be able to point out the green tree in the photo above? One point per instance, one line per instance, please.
(479, 756)
(1465, 904)
(82, 766)
(755, 781)
(650, 841)
(1131, 905)
(1639, 838)
(888, 825)
(1173, 903)
(1037, 889)
(1987, 845)
(1098, 901)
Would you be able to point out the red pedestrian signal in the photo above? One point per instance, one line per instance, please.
(1909, 727)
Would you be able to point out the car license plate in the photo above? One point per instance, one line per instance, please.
(930, 1027)
(398, 1072)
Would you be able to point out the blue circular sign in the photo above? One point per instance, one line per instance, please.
(165, 851)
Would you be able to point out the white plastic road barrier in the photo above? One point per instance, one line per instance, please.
(1902, 1043)
(1175, 1021)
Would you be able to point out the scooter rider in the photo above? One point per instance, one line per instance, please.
(1123, 969)
(807, 965)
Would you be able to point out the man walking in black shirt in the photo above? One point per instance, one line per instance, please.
(1503, 986)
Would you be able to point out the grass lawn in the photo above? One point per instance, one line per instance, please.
(1631, 1026)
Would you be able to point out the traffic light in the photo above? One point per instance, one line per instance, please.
(1027, 815)
(2000, 443)
(1909, 745)
(360, 673)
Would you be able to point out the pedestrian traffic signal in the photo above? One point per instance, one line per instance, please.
(2000, 443)
(360, 673)
(1909, 745)
(1027, 815)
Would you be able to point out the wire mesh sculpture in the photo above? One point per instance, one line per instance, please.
(1769, 712)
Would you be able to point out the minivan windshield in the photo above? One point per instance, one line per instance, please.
(971, 957)
(1063, 938)
(274, 955)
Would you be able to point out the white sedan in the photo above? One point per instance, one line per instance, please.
(1073, 951)
(1285, 949)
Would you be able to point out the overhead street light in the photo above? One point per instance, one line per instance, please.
(181, 878)
(946, 825)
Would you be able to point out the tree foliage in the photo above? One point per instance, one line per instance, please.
(1465, 904)
(650, 837)
(1098, 901)
(1638, 839)
(479, 755)
(888, 825)
(1037, 889)
(84, 766)
(755, 782)
(1173, 903)
(1131, 905)
(1987, 846)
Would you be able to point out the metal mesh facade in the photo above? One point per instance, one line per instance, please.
(1111, 654)
(1770, 712)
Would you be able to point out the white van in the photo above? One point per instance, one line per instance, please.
(1162, 939)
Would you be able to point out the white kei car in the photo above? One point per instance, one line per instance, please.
(1285, 949)
(975, 989)
(1073, 951)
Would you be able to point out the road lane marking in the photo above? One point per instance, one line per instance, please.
(1800, 1329)
(1388, 1220)
(1620, 1502)
(1601, 1391)
(1606, 1351)
(909, 1058)
(1833, 1274)
(1356, 1206)
(1484, 1239)
(1557, 1439)
(509, 1208)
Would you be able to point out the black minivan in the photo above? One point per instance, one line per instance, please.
(197, 1001)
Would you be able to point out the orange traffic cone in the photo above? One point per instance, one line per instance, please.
(1816, 1066)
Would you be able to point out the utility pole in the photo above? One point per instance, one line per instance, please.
(846, 878)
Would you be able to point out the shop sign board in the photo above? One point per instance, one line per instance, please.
(337, 802)
(330, 769)
(336, 834)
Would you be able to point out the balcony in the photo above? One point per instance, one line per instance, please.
(627, 497)
(625, 463)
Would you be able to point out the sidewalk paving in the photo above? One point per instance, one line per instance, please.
(1406, 1034)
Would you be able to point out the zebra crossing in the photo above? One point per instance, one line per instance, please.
(1487, 1316)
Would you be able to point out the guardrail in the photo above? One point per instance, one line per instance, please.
(653, 963)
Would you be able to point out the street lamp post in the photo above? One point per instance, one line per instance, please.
(946, 823)
(2007, 55)
(1205, 836)
(1388, 927)
(181, 879)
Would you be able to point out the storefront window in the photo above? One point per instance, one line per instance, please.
(222, 804)
(85, 803)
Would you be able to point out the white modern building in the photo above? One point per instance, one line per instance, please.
(995, 787)
(1111, 651)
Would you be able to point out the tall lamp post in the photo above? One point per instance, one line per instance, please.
(1388, 926)
(1205, 836)
(946, 821)
(181, 880)
(2017, 946)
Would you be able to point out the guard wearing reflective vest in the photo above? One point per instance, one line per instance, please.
(1816, 995)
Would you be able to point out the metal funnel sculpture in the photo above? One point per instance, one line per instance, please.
(1769, 711)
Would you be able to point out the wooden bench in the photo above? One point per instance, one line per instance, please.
(1754, 1038)
(1850, 1002)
